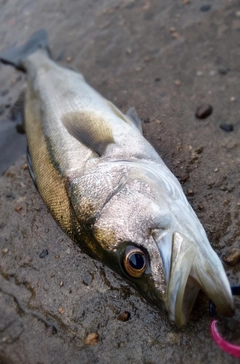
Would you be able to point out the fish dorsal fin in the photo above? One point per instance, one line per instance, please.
(90, 129)
(130, 118)
(133, 116)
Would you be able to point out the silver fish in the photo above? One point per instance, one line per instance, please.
(110, 191)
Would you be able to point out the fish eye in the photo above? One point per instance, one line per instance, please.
(134, 261)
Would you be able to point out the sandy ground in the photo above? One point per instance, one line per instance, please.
(166, 58)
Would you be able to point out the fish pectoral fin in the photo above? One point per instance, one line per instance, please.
(133, 116)
(90, 129)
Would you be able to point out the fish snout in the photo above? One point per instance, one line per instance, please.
(195, 268)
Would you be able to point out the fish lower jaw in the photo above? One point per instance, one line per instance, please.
(182, 301)
(184, 294)
(194, 268)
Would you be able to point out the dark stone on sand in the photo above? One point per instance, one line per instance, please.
(124, 316)
(10, 195)
(44, 253)
(226, 127)
(20, 129)
(205, 7)
(87, 279)
(146, 120)
(223, 70)
(203, 111)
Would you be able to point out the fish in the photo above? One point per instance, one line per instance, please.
(110, 191)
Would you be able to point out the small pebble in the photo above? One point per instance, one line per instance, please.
(5, 250)
(175, 35)
(177, 82)
(146, 120)
(91, 339)
(232, 256)
(61, 284)
(57, 256)
(232, 99)
(193, 159)
(147, 59)
(43, 254)
(238, 13)
(172, 30)
(190, 192)
(138, 69)
(199, 150)
(199, 73)
(68, 251)
(205, 8)
(10, 195)
(226, 127)
(223, 70)
(212, 73)
(229, 143)
(203, 111)
(216, 170)
(129, 51)
(61, 310)
(200, 206)
(185, 2)
(68, 59)
(18, 208)
(124, 316)
(25, 167)
(184, 178)
(87, 278)
(20, 129)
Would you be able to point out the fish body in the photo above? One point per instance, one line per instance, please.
(110, 191)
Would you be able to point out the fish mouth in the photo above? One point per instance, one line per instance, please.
(195, 268)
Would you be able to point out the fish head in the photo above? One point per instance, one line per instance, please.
(155, 241)
(142, 226)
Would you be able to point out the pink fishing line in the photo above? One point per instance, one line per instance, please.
(223, 344)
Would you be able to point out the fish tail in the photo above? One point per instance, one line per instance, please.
(15, 56)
